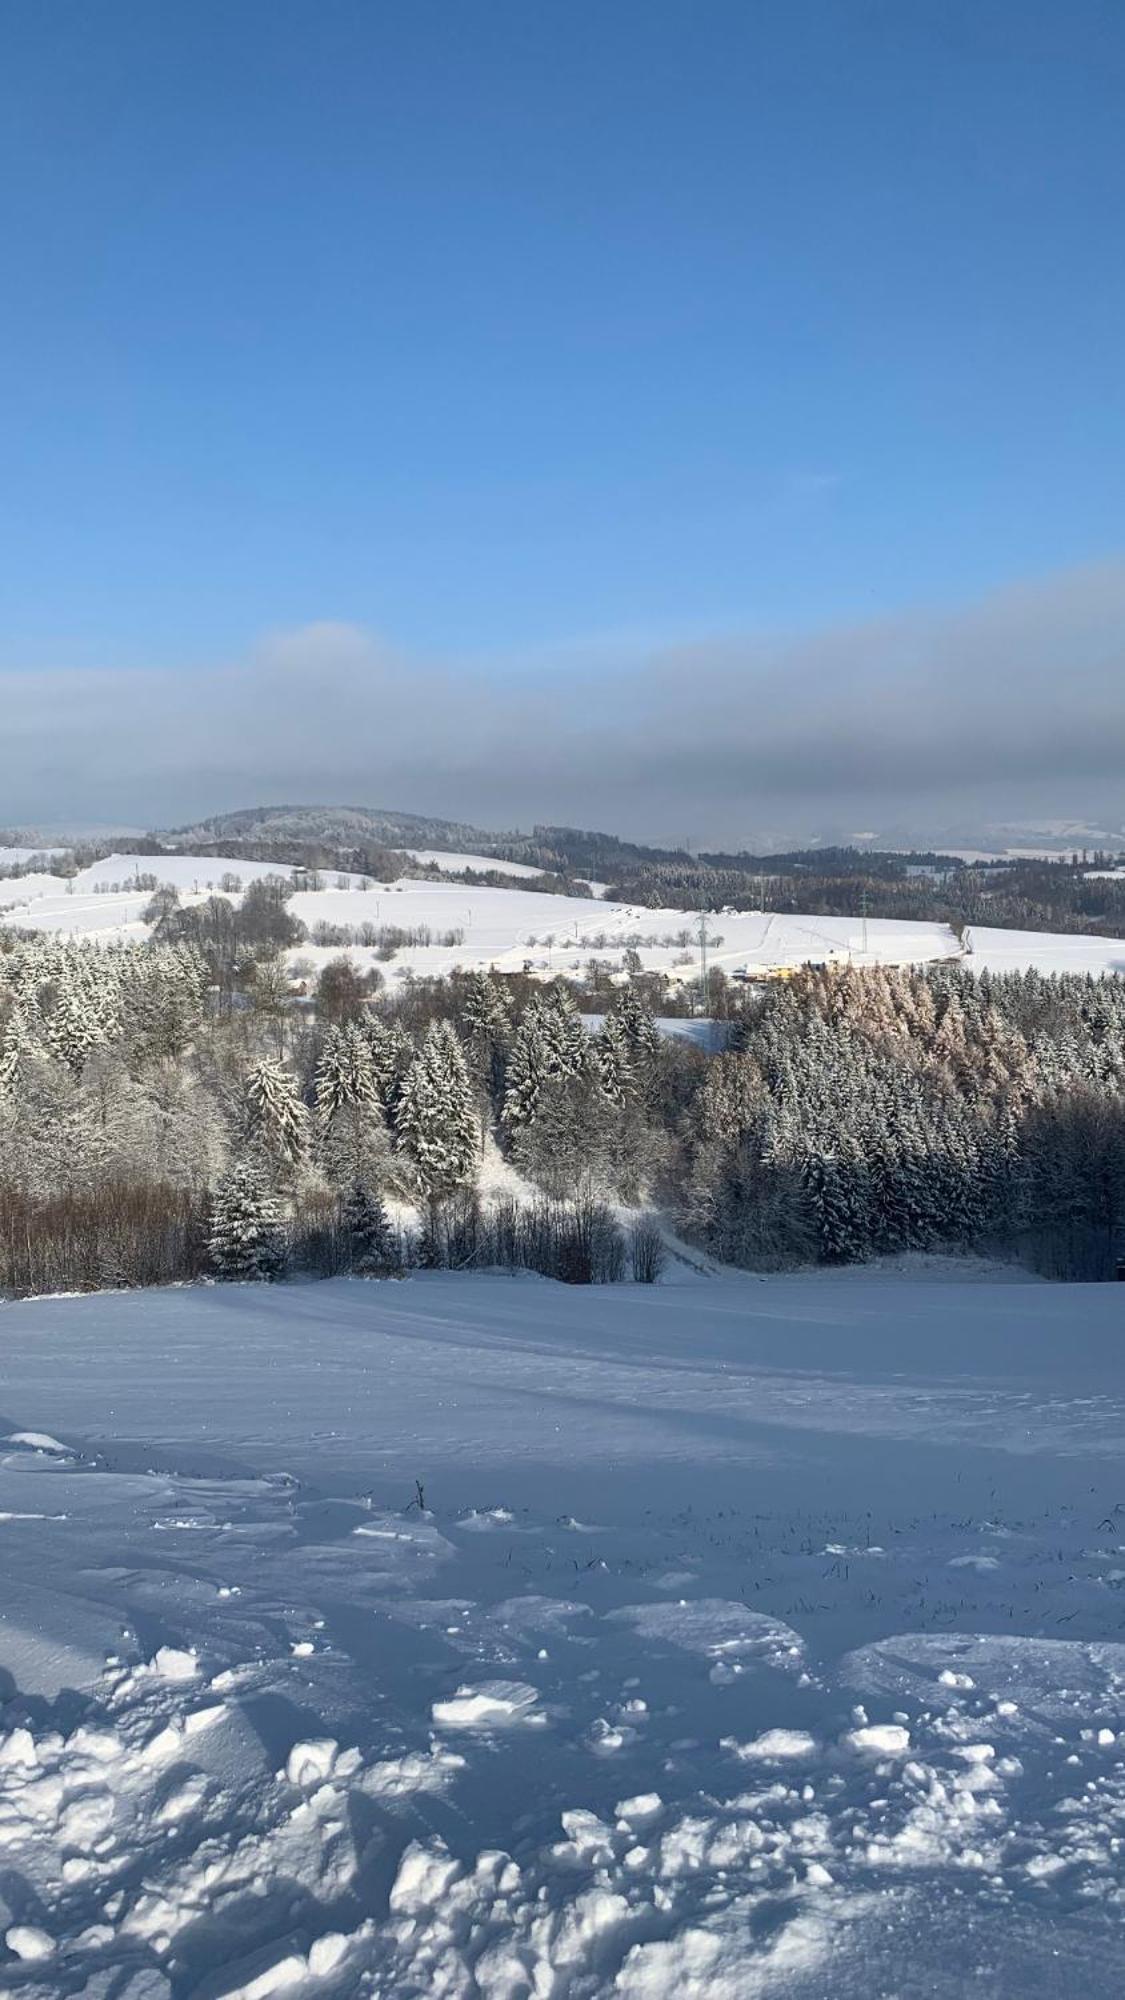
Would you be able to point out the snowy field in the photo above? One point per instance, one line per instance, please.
(98, 903)
(517, 927)
(513, 928)
(19, 892)
(752, 1637)
(101, 919)
(1012, 951)
(450, 863)
(482, 864)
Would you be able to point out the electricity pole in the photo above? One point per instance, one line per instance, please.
(704, 941)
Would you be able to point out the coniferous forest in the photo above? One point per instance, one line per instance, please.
(180, 1108)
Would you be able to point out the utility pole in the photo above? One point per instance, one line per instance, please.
(704, 941)
(865, 920)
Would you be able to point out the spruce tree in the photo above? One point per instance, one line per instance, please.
(17, 1052)
(437, 1122)
(345, 1074)
(836, 1193)
(564, 1037)
(370, 1241)
(245, 1239)
(528, 1069)
(391, 1055)
(641, 1032)
(613, 1061)
(277, 1120)
(488, 1032)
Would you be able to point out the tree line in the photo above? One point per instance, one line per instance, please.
(1013, 895)
(171, 1109)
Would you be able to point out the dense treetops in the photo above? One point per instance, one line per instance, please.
(179, 1084)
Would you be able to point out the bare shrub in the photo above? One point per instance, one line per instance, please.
(647, 1254)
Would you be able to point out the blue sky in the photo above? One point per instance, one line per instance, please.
(523, 334)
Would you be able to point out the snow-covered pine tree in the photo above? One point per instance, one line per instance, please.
(372, 1249)
(1001, 1178)
(353, 1139)
(163, 996)
(613, 1061)
(911, 1213)
(487, 1020)
(277, 1119)
(956, 1153)
(18, 1050)
(75, 1024)
(550, 1047)
(641, 1033)
(564, 1036)
(345, 1074)
(246, 1239)
(437, 1123)
(835, 1190)
(391, 1055)
(52, 1144)
(528, 1061)
(329, 1081)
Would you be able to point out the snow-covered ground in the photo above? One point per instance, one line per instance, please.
(450, 863)
(1014, 951)
(517, 927)
(437, 857)
(514, 928)
(99, 904)
(21, 891)
(199, 873)
(481, 1637)
(101, 919)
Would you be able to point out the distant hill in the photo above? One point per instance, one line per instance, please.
(344, 826)
(348, 829)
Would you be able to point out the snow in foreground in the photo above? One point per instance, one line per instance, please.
(743, 1637)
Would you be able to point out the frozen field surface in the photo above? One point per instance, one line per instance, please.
(481, 1637)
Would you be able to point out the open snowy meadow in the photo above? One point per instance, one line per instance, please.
(473, 927)
(486, 1637)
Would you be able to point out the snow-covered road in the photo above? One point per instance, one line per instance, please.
(752, 1636)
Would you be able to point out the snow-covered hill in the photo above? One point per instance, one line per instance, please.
(331, 825)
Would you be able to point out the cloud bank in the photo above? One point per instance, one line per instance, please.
(1010, 707)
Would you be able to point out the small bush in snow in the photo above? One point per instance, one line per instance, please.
(647, 1255)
